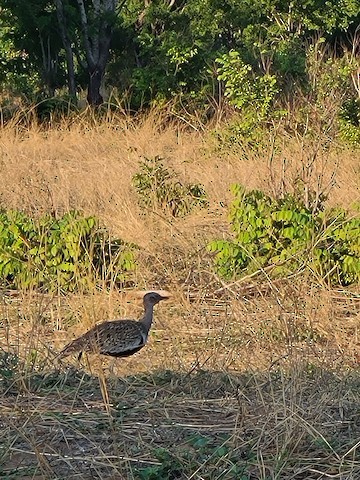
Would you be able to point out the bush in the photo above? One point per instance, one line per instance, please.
(158, 187)
(253, 97)
(60, 254)
(284, 236)
(243, 88)
(54, 108)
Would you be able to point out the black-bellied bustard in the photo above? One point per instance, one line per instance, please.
(117, 338)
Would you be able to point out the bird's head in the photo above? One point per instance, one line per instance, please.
(152, 298)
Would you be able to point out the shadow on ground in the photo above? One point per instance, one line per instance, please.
(299, 424)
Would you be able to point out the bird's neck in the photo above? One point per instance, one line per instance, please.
(148, 317)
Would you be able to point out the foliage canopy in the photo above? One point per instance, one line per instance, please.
(160, 49)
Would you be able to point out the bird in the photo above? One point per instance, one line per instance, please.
(116, 338)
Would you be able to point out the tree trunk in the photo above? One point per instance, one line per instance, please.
(71, 70)
(67, 46)
(94, 96)
(96, 22)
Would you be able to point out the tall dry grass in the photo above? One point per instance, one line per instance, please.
(266, 371)
(88, 164)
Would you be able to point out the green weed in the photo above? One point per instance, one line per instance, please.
(158, 187)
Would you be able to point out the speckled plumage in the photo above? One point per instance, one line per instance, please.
(117, 338)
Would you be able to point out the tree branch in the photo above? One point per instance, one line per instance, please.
(85, 29)
(67, 45)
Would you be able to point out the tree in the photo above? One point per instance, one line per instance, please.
(174, 43)
(163, 49)
(42, 30)
(30, 26)
(88, 35)
(66, 40)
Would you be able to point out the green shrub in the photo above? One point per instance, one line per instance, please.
(243, 88)
(170, 467)
(158, 187)
(60, 254)
(283, 236)
(54, 108)
(253, 97)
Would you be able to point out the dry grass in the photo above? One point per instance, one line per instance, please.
(242, 381)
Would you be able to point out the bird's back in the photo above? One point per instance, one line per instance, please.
(118, 338)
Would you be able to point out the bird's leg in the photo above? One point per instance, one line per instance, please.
(111, 367)
(104, 391)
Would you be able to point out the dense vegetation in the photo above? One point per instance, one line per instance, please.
(65, 254)
(281, 237)
(158, 50)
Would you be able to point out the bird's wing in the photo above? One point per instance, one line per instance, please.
(117, 338)
(121, 338)
(86, 342)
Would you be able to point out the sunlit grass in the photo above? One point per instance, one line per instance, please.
(242, 380)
